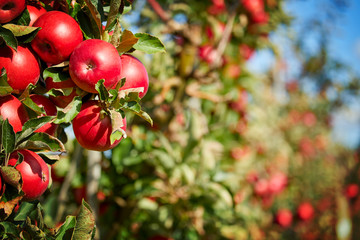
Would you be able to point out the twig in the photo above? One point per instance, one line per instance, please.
(159, 10)
(224, 41)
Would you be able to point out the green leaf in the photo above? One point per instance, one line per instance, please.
(8, 37)
(101, 89)
(85, 223)
(24, 18)
(117, 126)
(74, 8)
(133, 106)
(97, 14)
(11, 176)
(42, 141)
(113, 15)
(33, 106)
(19, 30)
(127, 41)
(56, 73)
(49, 159)
(69, 113)
(24, 210)
(148, 44)
(9, 229)
(7, 137)
(30, 126)
(5, 88)
(136, 108)
(88, 26)
(67, 226)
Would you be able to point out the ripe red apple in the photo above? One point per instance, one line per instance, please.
(352, 190)
(284, 217)
(35, 12)
(217, 7)
(207, 53)
(216, 30)
(253, 6)
(34, 172)
(261, 17)
(305, 211)
(135, 73)
(22, 67)
(49, 109)
(92, 60)
(58, 37)
(10, 9)
(13, 110)
(261, 187)
(309, 119)
(61, 101)
(277, 182)
(92, 127)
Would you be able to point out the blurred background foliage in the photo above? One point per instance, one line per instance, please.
(232, 154)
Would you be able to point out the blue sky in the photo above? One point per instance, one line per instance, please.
(344, 45)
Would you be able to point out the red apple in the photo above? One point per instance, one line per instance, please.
(22, 67)
(277, 182)
(135, 73)
(13, 110)
(61, 101)
(58, 37)
(260, 17)
(261, 187)
(217, 7)
(352, 190)
(34, 173)
(35, 12)
(92, 60)
(92, 127)
(284, 217)
(253, 6)
(49, 109)
(309, 119)
(305, 211)
(10, 9)
(207, 53)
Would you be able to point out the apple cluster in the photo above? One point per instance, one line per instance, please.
(86, 65)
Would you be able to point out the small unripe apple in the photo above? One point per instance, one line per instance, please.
(58, 37)
(10, 9)
(22, 67)
(93, 60)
